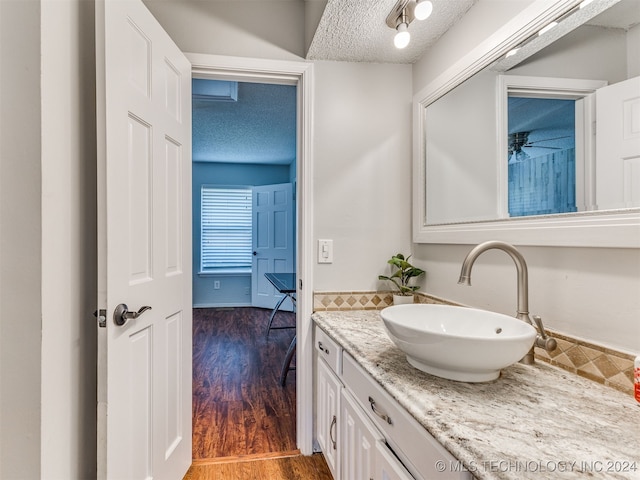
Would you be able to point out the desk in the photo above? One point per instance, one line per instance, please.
(285, 283)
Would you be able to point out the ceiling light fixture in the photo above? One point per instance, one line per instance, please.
(422, 9)
(403, 37)
(403, 13)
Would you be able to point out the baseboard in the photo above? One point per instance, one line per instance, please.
(221, 305)
(244, 458)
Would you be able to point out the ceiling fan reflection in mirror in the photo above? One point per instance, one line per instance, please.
(520, 140)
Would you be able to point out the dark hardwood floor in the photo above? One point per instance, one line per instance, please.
(239, 407)
(297, 467)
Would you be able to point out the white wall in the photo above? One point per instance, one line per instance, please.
(273, 29)
(588, 293)
(47, 241)
(362, 151)
(589, 52)
(69, 264)
(20, 240)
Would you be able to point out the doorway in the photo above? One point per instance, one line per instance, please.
(244, 173)
(301, 75)
(244, 150)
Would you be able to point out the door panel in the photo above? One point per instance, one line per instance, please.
(273, 239)
(618, 145)
(144, 180)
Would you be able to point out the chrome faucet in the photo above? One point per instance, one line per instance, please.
(542, 340)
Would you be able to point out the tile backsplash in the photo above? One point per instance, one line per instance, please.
(589, 360)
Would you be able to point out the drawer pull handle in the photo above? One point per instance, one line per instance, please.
(333, 424)
(383, 416)
(323, 348)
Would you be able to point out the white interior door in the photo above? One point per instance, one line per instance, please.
(144, 184)
(618, 145)
(273, 239)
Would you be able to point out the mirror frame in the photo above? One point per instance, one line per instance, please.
(609, 229)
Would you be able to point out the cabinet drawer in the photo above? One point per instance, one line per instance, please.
(388, 467)
(404, 434)
(328, 350)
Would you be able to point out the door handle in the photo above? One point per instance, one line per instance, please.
(379, 413)
(121, 314)
(333, 424)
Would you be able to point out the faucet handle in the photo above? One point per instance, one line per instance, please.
(543, 340)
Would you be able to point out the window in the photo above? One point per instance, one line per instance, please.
(225, 228)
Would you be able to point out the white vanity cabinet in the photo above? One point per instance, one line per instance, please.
(358, 439)
(363, 432)
(328, 390)
(365, 453)
(387, 466)
(407, 442)
(328, 393)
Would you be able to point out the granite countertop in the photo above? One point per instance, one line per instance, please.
(535, 421)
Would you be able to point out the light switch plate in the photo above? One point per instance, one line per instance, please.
(325, 251)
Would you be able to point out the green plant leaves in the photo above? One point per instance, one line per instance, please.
(403, 274)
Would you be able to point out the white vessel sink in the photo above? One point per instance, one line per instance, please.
(458, 343)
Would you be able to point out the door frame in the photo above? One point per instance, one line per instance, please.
(219, 67)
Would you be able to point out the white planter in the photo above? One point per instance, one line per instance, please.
(402, 299)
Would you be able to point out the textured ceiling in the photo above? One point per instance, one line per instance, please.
(258, 128)
(355, 31)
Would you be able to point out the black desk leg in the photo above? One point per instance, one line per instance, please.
(273, 313)
(286, 365)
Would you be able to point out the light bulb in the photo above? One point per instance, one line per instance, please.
(403, 36)
(423, 9)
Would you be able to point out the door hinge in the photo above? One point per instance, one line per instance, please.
(101, 315)
(300, 283)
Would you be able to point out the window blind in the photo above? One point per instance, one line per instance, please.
(225, 227)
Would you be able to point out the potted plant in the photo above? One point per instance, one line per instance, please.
(400, 278)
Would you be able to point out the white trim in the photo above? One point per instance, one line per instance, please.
(595, 229)
(221, 305)
(615, 229)
(300, 74)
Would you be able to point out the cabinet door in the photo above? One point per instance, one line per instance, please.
(358, 438)
(328, 389)
(388, 467)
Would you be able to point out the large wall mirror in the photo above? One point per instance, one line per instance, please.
(534, 137)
